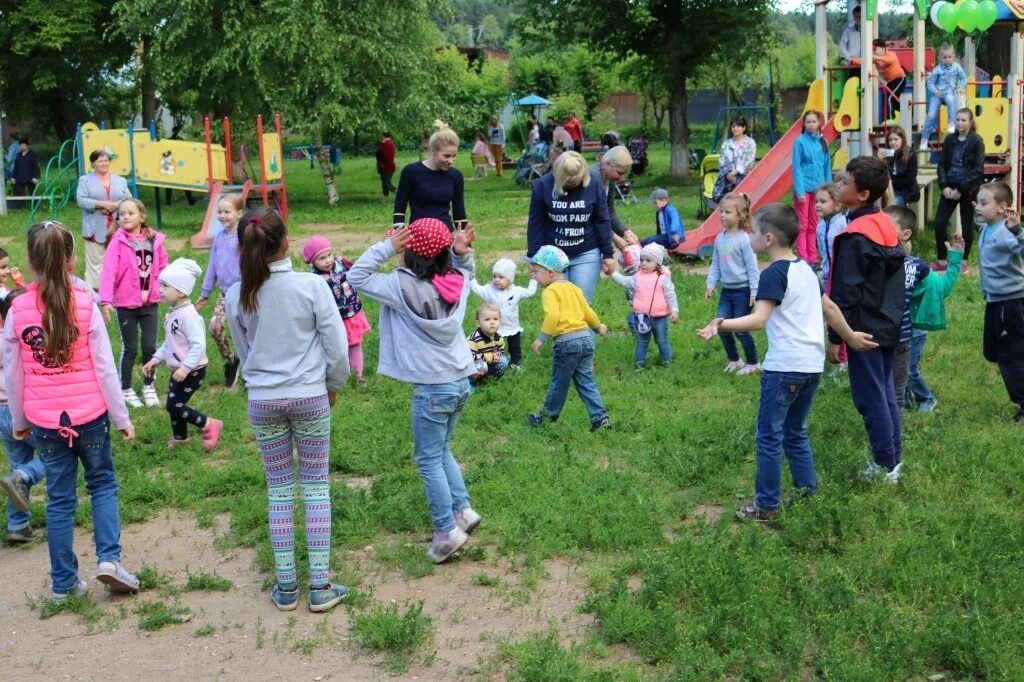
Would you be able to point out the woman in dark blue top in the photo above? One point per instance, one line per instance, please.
(569, 211)
(961, 169)
(433, 188)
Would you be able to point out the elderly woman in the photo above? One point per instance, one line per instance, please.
(99, 193)
(613, 166)
(569, 210)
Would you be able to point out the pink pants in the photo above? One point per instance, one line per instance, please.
(807, 242)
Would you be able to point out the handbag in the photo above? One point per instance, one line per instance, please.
(643, 320)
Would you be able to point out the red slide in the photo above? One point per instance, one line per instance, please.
(767, 182)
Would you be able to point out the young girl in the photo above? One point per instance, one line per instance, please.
(734, 265)
(222, 271)
(503, 291)
(317, 253)
(961, 169)
(902, 168)
(128, 284)
(653, 297)
(8, 272)
(423, 304)
(945, 82)
(833, 221)
(291, 342)
(63, 391)
(812, 166)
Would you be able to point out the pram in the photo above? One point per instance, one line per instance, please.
(532, 164)
(638, 151)
(708, 177)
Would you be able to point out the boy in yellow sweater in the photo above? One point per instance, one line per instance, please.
(568, 320)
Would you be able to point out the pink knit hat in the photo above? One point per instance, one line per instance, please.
(315, 247)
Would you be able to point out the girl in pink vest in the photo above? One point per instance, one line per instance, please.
(63, 391)
(654, 303)
(128, 284)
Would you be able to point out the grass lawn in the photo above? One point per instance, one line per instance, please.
(860, 582)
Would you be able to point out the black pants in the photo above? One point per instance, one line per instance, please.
(22, 189)
(515, 348)
(1003, 344)
(168, 193)
(900, 372)
(129, 321)
(942, 216)
(577, 145)
(385, 183)
(895, 89)
(178, 394)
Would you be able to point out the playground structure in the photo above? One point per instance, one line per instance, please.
(854, 114)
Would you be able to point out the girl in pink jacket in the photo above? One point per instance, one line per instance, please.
(129, 285)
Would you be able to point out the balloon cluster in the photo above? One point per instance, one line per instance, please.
(968, 15)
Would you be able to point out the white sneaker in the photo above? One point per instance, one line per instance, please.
(748, 369)
(131, 398)
(116, 577)
(733, 366)
(447, 544)
(149, 396)
(468, 520)
(894, 475)
(924, 144)
(81, 588)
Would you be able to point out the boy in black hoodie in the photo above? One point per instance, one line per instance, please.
(868, 287)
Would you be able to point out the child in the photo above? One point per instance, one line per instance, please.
(945, 82)
(317, 253)
(961, 169)
(7, 271)
(812, 166)
(26, 468)
(790, 306)
(868, 286)
(128, 283)
(222, 271)
(833, 221)
(1002, 281)
(653, 297)
(423, 304)
(291, 342)
(670, 226)
(503, 291)
(568, 320)
(734, 265)
(486, 344)
(915, 271)
(184, 351)
(891, 73)
(63, 391)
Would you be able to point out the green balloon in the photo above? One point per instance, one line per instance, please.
(986, 14)
(946, 16)
(967, 15)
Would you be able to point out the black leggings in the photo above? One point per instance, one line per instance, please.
(386, 184)
(178, 394)
(942, 216)
(129, 321)
(515, 348)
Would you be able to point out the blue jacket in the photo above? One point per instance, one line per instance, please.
(812, 165)
(670, 224)
(947, 79)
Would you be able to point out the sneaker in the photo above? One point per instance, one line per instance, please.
(231, 372)
(537, 419)
(639, 366)
(1018, 418)
(149, 396)
(872, 473)
(81, 588)
(924, 144)
(17, 489)
(516, 368)
(131, 398)
(750, 511)
(602, 423)
(733, 366)
(446, 544)
(286, 598)
(467, 520)
(928, 405)
(325, 598)
(20, 536)
(666, 363)
(116, 578)
(748, 369)
(211, 433)
(894, 475)
(176, 443)
(361, 382)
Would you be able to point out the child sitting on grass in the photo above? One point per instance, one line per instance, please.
(486, 344)
(503, 291)
(670, 226)
(653, 297)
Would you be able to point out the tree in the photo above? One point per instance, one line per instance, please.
(674, 37)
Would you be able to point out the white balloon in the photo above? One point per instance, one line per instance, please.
(934, 12)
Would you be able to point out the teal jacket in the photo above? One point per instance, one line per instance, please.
(927, 305)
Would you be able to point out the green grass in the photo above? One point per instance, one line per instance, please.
(859, 582)
(382, 628)
(210, 582)
(155, 615)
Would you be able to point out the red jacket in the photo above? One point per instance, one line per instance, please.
(386, 157)
(574, 129)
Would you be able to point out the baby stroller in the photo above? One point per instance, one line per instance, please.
(708, 177)
(532, 164)
(638, 151)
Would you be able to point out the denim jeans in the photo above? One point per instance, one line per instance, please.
(435, 413)
(92, 447)
(934, 102)
(584, 271)
(659, 329)
(21, 455)
(917, 387)
(786, 399)
(899, 198)
(572, 361)
(736, 303)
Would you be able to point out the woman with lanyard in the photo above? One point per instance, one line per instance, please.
(433, 188)
(99, 193)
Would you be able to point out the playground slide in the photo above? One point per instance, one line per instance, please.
(767, 182)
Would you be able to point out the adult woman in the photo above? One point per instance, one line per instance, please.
(612, 167)
(735, 160)
(433, 188)
(99, 193)
(386, 162)
(496, 138)
(570, 210)
(902, 163)
(812, 167)
(961, 168)
(532, 134)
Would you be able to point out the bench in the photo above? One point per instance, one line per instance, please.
(591, 146)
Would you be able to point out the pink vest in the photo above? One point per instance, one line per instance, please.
(51, 390)
(649, 290)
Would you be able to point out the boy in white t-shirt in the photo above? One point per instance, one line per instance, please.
(790, 306)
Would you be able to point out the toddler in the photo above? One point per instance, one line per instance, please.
(486, 344)
(503, 291)
(670, 226)
(8, 272)
(653, 297)
(945, 82)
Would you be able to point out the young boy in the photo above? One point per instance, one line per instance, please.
(1001, 257)
(184, 351)
(568, 320)
(891, 72)
(790, 306)
(868, 286)
(486, 344)
(670, 226)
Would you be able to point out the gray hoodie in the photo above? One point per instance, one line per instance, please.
(1001, 257)
(421, 336)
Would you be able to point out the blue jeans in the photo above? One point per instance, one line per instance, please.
(736, 303)
(435, 413)
(786, 399)
(92, 447)
(21, 455)
(662, 239)
(659, 329)
(917, 387)
(899, 198)
(584, 271)
(572, 361)
(934, 102)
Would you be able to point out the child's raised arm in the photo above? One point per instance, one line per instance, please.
(381, 287)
